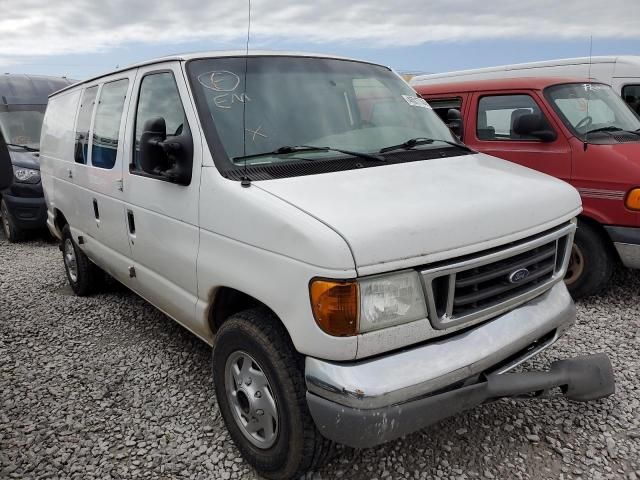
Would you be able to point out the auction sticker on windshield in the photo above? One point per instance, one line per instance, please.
(416, 101)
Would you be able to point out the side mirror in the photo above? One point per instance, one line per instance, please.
(6, 170)
(152, 158)
(454, 122)
(534, 125)
(545, 135)
(169, 158)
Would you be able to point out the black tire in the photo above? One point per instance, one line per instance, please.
(592, 262)
(299, 446)
(87, 275)
(9, 227)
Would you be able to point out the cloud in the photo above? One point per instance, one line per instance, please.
(55, 27)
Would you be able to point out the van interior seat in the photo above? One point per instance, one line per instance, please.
(515, 116)
(483, 131)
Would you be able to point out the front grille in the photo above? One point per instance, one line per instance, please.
(477, 287)
(482, 286)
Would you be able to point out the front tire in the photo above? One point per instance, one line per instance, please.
(260, 388)
(591, 264)
(11, 230)
(82, 274)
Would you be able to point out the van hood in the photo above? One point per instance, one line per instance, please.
(402, 215)
(23, 158)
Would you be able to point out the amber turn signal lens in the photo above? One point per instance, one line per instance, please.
(633, 199)
(335, 306)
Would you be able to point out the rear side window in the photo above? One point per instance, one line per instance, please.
(498, 114)
(158, 97)
(631, 95)
(106, 128)
(442, 106)
(83, 124)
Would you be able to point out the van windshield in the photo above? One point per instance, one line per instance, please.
(589, 108)
(295, 101)
(21, 124)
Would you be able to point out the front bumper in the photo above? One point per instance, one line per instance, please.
(27, 212)
(362, 404)
(627, 243)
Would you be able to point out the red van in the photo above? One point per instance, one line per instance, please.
(576, 130)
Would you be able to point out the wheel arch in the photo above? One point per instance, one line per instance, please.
(226, 301)
(59, 221)
(597, 226)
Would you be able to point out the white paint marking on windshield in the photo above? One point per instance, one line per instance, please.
(219, 81)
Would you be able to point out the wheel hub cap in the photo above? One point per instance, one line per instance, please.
(70, 260)
(251, 399)
(576, 265)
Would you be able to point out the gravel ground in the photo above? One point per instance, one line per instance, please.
(107, 387)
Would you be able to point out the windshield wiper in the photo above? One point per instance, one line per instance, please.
(414, 142)
(607, 129)
(26, 147)
(612, 128)
(286, 150)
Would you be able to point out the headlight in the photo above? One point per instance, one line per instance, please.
(345, 308)
(26, 175)
(390, 300)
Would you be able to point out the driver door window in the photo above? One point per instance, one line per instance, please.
(158, 97)
(497, 116)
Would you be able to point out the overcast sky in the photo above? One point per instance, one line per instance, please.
(85, 37)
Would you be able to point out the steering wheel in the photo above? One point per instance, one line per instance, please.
(585, 122)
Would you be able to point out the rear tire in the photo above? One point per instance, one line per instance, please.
(11, 230)
(83, 275)
(591, 263)
(297, 446)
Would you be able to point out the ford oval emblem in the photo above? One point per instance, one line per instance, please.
(518, 275)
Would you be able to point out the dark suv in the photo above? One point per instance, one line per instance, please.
(23, 99)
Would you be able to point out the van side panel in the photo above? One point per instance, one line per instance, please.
(56, 155)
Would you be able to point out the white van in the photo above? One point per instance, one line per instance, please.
(359, 273)
(621, 72)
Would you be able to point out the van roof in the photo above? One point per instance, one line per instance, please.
(620, 59)
(183, 57)
(23, 89)
(514, 83)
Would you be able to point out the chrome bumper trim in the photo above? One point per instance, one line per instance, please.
(419, 371)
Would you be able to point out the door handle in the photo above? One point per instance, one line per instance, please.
(70, 173)
(96, 211)
(131, 222)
